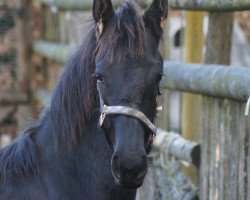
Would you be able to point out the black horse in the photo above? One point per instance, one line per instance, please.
(67, 155)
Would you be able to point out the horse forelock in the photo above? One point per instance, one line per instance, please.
(124, 34)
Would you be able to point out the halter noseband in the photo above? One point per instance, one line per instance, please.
(123, 110)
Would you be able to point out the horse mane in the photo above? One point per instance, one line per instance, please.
(75, 96)
(20, 157)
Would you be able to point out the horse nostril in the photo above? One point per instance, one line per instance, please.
(115, 163)
(141, 175)
(115, 166)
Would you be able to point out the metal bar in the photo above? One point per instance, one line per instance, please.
(213, 80)
(210, 5)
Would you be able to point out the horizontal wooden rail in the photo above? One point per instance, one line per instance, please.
(212, 80)
(81, 4)
(178, 147)
(210, 5)
(13, 97)
(54, 51)
(206, 5)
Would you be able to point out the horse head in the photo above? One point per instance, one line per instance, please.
(128, 71)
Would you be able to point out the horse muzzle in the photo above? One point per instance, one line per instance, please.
(129, 171)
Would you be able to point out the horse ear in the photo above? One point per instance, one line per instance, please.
(102, 12)
(156, 15)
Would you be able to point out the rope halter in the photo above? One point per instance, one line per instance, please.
(123, 110)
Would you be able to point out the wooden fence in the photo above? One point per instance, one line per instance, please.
(19, 95)
(224, 138)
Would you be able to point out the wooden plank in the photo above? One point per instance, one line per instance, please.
(226, 155)
(231, 191)
(247, 160)
(210, 5)
(223, 150)
(243, 153)
(213, 143)
(205, 152)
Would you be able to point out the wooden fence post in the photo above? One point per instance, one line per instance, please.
(224, 172)
(219, 38)
(24, 46)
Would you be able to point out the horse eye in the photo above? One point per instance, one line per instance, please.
(99, 77)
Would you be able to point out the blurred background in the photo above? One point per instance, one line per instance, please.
(37, 38)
